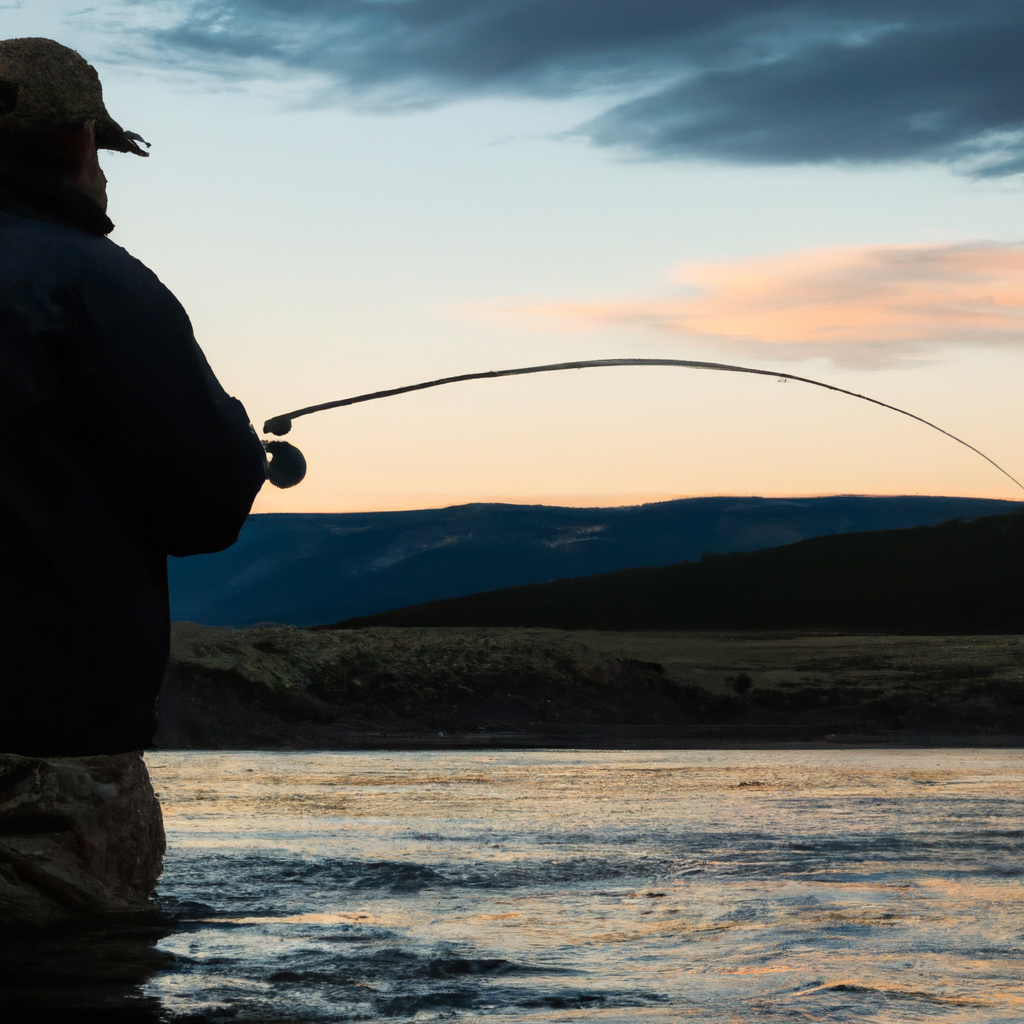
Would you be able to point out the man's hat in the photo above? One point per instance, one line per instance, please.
(45, 87)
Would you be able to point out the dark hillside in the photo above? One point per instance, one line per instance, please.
(304, 569)
(955, 578)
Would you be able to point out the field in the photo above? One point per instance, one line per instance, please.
(389, 687)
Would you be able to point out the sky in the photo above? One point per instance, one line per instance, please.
(351, 195)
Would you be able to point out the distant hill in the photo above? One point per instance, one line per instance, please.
(309, 569)
(960, 577)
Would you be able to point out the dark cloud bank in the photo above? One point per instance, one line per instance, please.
(749, 81)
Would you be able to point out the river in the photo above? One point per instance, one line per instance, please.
(725, 886)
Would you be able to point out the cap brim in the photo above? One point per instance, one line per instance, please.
(110, 135)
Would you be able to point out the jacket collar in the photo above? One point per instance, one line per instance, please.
(53, 197)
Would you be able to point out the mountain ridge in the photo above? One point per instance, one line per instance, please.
(958, 577)
(307, 569)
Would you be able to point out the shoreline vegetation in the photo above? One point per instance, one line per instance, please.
(286, 688)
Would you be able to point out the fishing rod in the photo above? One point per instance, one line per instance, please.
(288, 466)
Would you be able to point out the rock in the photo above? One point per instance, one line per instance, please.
(79, 837)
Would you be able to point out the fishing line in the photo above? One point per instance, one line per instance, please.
(291, 466)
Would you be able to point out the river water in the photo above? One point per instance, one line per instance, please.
(719, 886)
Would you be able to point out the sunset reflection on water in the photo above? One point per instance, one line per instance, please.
(839, 885)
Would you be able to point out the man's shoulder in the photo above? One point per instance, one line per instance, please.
(62, 243)
(51, 254)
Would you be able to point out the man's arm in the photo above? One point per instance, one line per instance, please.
(190, 462)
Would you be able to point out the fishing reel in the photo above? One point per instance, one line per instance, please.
(287, 465)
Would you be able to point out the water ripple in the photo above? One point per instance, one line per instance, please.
(740, 886)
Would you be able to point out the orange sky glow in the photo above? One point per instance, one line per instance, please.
(855, 304)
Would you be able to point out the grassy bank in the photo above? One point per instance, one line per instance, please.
(276, 687)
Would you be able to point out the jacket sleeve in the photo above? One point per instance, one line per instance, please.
(183, 459)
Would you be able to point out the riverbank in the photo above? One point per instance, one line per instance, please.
(450, 688)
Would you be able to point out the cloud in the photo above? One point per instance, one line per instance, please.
(755, 81)
(863, 305)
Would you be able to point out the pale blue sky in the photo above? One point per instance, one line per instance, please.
(325, 247)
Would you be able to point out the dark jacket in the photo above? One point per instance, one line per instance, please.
(117, 448)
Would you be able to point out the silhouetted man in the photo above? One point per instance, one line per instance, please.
(118, 446)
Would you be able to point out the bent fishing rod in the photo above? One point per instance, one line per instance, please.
(288, 465)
